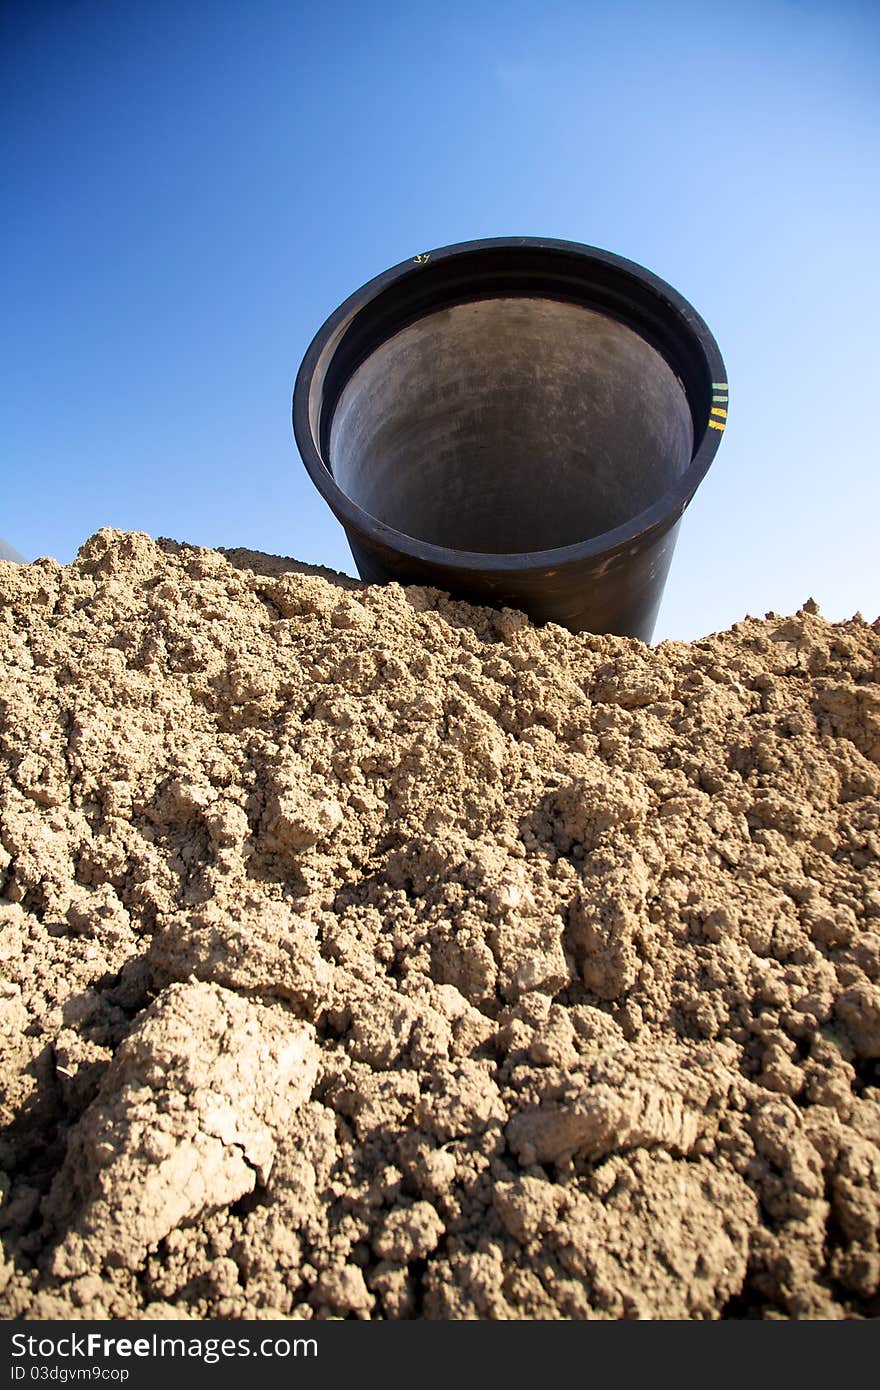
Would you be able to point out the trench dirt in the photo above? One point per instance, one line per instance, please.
(368, 954)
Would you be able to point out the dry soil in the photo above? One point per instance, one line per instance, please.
(371, 955)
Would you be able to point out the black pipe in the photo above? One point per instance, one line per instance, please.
(518, 421)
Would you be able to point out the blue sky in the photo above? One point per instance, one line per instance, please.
(192, 186)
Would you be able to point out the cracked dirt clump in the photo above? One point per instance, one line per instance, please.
(367, 954)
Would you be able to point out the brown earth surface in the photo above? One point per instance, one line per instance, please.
(366, 954)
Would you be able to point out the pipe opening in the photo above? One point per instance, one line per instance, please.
(510, 425)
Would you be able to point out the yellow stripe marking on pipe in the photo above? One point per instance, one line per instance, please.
(716, 410)
(716, 425)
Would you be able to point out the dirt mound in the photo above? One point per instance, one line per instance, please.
(366, 954)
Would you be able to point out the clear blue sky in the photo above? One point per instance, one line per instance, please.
(192, 186)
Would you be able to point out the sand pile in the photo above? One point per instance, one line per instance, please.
(370, 955)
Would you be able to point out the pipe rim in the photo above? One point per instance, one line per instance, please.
(331, 337)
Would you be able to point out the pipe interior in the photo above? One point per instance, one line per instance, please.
(510, 425)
